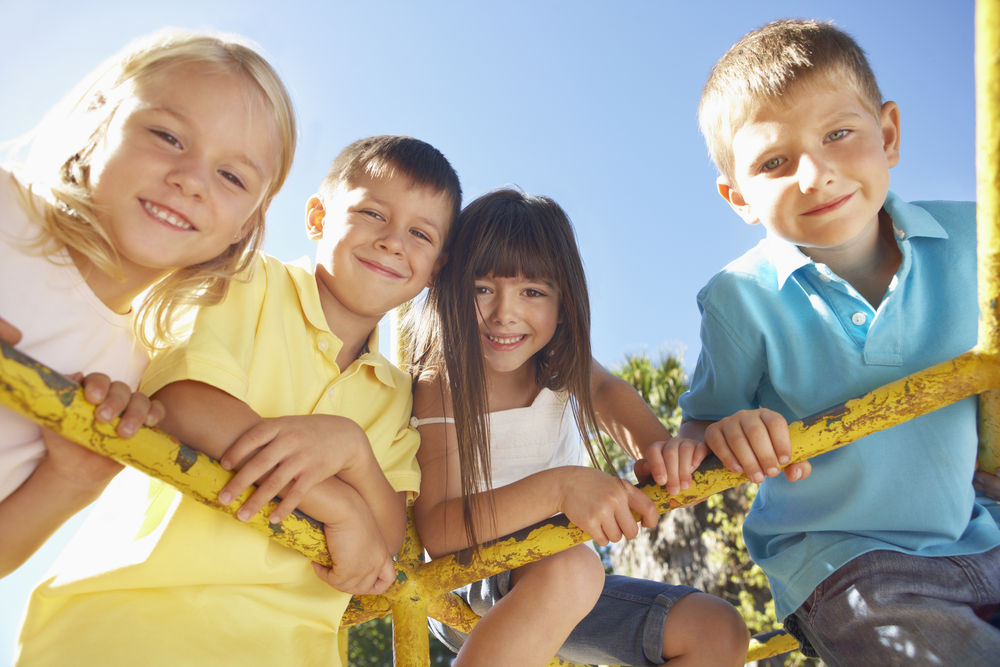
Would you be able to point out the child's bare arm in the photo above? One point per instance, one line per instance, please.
(623, 414)
(213, 421)
(70, 477)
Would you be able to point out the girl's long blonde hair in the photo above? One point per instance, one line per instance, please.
(58, 166)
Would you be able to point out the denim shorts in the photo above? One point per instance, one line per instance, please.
(625, 627)
(891, 608)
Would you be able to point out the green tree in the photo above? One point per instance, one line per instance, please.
(703, 545)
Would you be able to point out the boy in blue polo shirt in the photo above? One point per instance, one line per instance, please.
(882, 555)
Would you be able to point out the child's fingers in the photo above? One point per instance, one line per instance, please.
(292, 498)
(701, 453)
(157, 411)
(135, 412)
(641, 503)
(248, 444)
(722, 445)
(662, 457)
(96, 387)
(386, 577)
(267, 489)
(686, 463)
(779, 441)
(797, 471)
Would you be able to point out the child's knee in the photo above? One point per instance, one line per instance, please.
(573, 578)
(702, 624)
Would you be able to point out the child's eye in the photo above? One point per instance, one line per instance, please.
(533, 293)
(482, 289)
(837, 135)
(420, 235)
(232, 178)
(166, 136)
(772, 164)
(373, 214)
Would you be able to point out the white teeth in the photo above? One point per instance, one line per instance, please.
(169, 218)
(505, 341)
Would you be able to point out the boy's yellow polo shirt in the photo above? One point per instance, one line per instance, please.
(154, 578)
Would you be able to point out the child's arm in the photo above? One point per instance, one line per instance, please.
(350, 500)
(598, 503)
(70, 477)
(622, 414)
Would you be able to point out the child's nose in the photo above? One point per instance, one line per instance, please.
(190, 176)
(814, 172)
(505, 311)
(390, 239)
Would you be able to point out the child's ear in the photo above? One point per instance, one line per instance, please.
(890, 132)
(315, 216)
(441, 260)
(735, 199)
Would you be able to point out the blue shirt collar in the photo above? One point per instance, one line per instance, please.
(908, 221)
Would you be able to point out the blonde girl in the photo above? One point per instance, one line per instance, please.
(506, 391)
(153, 177)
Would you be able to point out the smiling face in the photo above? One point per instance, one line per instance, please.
(517, 318)
(815, 170)
(380, 244)
(182, 169)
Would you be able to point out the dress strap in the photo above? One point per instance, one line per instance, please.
(417, 423)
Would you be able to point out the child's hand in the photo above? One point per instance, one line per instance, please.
(671, 463)
(602, 505)
(9, 333)
(78, 465)
(117, 398)
(755, 441)
(299, 450)
(987, 483)
(362, 565)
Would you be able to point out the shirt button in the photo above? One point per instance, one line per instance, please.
(859, 318)
(323, 345)
(825, 278)
(331, 392)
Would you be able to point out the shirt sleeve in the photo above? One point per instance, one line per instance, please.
(730, 370)
(218, 351)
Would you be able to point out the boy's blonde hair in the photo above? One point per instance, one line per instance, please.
(760, 68)
(58, 167)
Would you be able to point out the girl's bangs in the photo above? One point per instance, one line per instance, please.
(512, 246)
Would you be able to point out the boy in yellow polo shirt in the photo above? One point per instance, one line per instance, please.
(288, 362)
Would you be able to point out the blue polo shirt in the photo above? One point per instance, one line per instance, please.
(782, 332)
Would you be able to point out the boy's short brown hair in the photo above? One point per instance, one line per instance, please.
(764, 65)
(389, 156)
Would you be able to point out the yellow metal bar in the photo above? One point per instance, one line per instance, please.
(770, 644)
(988, 197)
(54, 401)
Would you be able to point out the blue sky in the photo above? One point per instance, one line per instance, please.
(593, 104)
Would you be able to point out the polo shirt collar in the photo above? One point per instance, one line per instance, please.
(308, 291)
(907, 221)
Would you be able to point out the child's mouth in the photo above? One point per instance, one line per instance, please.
(165, 216)
(505, 341)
